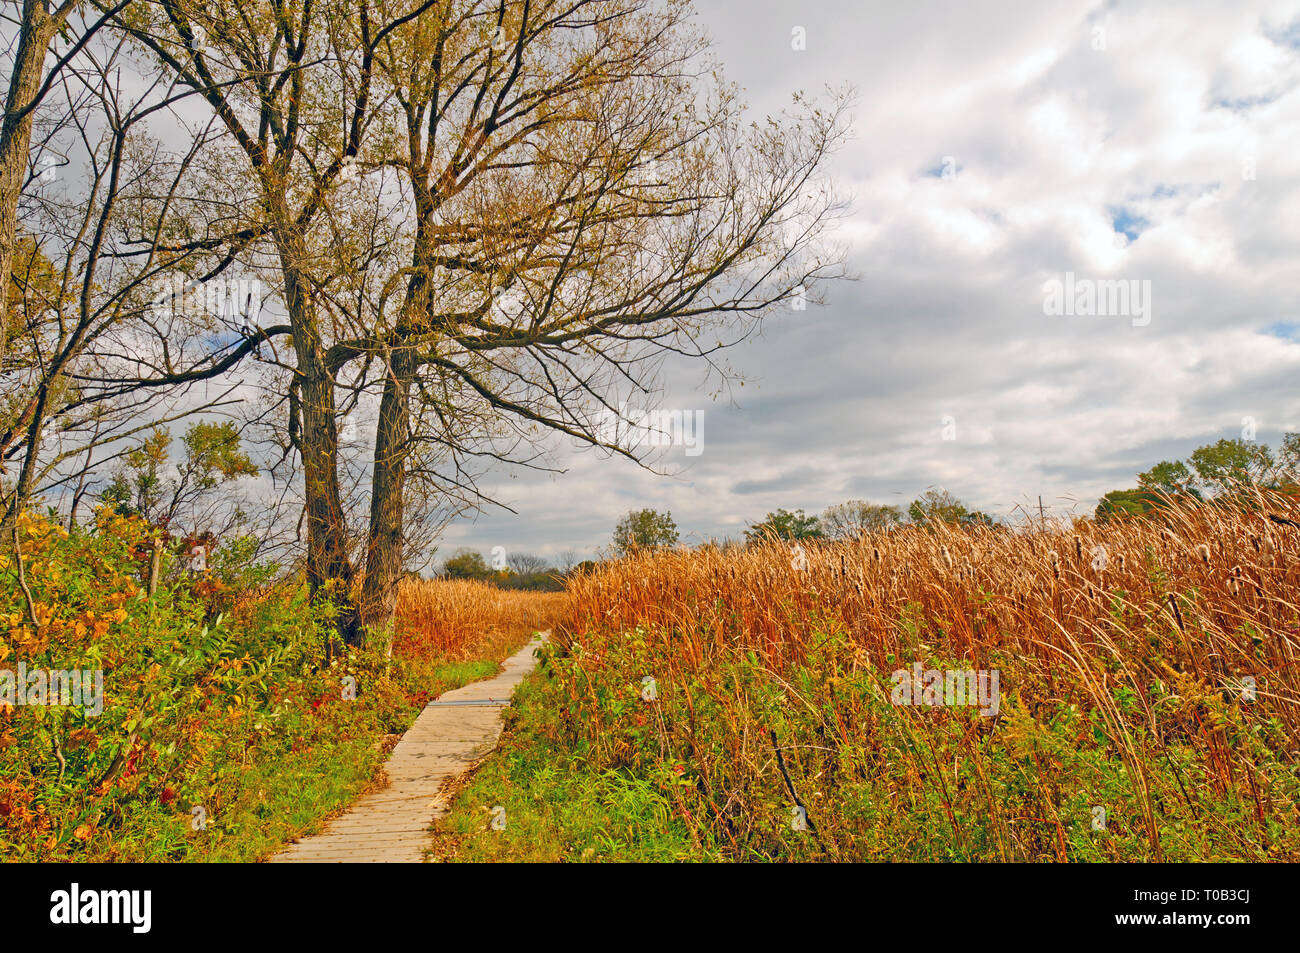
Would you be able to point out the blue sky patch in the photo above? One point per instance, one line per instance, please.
(1286, 330)
(1128, 224)
(948, 168)
(1288, 36)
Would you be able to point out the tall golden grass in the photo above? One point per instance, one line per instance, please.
(1206, 574)
(1155, 626)
(454, 619)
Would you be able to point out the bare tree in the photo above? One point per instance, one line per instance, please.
(852, 519)
(30, 79)
(79, 289)
(527, 564)
(290, 83)
(491, 218)
(586, 200)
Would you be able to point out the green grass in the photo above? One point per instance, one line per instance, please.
(558, 807)
(295, 794)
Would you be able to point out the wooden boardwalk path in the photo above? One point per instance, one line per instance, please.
(453, 732)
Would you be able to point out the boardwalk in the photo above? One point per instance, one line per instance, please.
(449, 736)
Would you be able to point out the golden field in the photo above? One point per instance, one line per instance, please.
(1150, 691)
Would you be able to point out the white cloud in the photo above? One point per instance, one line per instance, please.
(1054, 142)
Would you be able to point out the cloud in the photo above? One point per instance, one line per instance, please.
(1170, 155)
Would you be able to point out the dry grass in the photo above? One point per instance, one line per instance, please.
(462, 619)
(1206, 575)
(1146, 650)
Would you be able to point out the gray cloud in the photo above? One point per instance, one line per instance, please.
(1060, 150)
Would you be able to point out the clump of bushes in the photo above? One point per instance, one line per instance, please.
(222, 732)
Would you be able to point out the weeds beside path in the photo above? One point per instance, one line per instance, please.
(218, 734)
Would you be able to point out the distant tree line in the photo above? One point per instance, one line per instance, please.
(519, 571)
(1219, 470)
(650, 529)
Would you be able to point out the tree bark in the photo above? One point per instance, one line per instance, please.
(329, 567)
(385, 544)
(385, 552)
(34, 35)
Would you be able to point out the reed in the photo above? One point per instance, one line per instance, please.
(453, 619)
(1148, 666)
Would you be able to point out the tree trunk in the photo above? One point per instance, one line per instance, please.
(27, 472)
(385, 549)
(155, 566)
(34, 35)
(386, 545)
(329, 568)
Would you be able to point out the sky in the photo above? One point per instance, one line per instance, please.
(996, 148)
(1002, 155)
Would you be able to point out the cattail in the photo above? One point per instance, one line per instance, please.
(1178, 616)
(946, 558)
(1078, 549)
(1205, 553)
